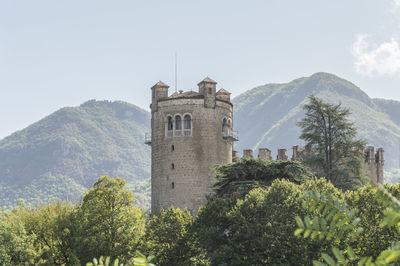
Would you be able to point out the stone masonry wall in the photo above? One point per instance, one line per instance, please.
(181, 166)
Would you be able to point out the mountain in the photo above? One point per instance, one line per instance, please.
(60, 156)
(266, 116)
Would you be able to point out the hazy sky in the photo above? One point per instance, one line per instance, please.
(63, 53)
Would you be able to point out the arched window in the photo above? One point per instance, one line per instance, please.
(170, 123)
(178, 122)
(187, 122)
(224, 126)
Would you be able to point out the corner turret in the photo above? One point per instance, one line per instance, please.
(207, 88)
(158, 91)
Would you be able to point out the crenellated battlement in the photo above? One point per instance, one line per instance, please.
(372, 165)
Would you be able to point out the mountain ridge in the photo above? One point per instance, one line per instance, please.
(74, 146)
(277, 114)
(61, 155)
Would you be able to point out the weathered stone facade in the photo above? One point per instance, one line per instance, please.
(190, 133)
(373, 164)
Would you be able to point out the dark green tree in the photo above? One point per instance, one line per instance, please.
(111, 224)
(245, 174)
(334, 151)
(257, 229)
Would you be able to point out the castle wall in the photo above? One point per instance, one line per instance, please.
(372, 166)
(181, 166)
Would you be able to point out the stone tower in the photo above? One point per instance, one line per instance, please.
(190, 133)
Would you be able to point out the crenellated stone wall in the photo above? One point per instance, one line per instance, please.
(372, 166)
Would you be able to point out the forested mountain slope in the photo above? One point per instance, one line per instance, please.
(266, 116)
(63, 154)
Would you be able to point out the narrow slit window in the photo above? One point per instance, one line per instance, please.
(172, 185)
(172, 166)
(172, 148)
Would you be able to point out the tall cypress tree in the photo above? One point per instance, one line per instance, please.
(333, 149)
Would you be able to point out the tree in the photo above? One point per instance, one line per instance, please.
(257, 229)
(334, 151)
(368, 234)
(16, 245)
(370, 207)
(111, 224)
(169, 238)
(53, 225)
(245, 174)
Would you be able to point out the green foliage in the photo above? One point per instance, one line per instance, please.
(141, 259)
(62, 155)
(258, 229)
(168, 237)
(365, 240)
(336, 218)
(53, 225)
(245, 174)
(138, 260)
(16, 245)
(105, 222)
(142, 192)
(371, 203)
(334, 152)
(109, 221)
(104, 261)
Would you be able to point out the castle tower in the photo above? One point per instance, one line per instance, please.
(190, 133)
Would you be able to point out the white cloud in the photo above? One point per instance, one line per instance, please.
(396, 4)
(380, 60)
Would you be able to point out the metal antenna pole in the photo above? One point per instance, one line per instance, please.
(176, 72)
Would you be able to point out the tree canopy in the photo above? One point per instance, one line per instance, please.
(333, 150)
(111, 224)
(245, 174)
